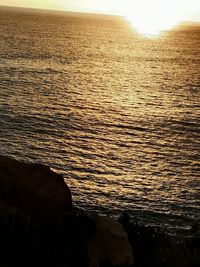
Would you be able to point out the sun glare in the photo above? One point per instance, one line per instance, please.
(149, 18)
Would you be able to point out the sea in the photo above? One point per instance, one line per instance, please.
(117, 113)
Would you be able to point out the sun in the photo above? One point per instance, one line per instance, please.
(152, 17)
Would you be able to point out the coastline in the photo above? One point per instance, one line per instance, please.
(40, 226)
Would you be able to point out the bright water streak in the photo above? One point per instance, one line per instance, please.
(117, 114)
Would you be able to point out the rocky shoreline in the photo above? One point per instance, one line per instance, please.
(40, 227)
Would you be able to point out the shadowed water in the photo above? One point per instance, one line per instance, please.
(118, 114)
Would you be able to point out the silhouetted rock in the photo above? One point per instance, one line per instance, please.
(38, 227)
(34, 188)
(109, 244)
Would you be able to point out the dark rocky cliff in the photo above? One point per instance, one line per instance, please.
(40, 227)
(34, 188)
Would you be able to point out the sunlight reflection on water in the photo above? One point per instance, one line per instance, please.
(117, 114)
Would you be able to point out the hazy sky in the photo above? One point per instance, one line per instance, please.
(183, 9)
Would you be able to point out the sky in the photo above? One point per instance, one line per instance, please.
(182, 9)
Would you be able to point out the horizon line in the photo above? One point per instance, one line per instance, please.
(61, 10)
(79, 12)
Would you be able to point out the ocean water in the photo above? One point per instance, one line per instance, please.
(116, 113)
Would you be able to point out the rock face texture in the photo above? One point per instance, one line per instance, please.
(109, 244)
(33, 188)
(39, 227)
